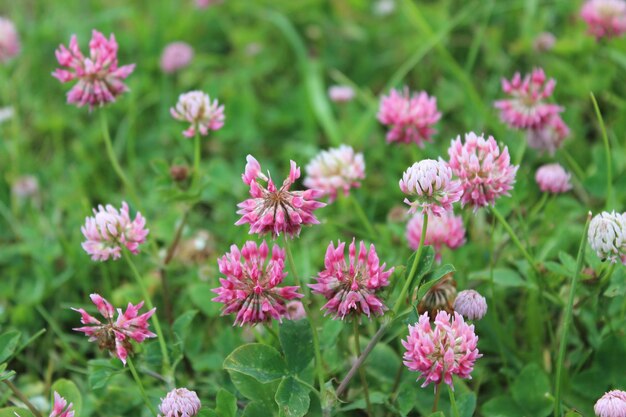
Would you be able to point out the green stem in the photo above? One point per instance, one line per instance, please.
(196, 158)
(607, 151)
(357, 348)
(437, 395)
(113, 158)
(133, 371)
(455, 410)
(155, 319)
(416, 260)
(542, 202)
(568, 318)
(363, 217)
(22, 398)
(515, 239)
(319, 369)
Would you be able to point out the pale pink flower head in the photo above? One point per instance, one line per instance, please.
(180, 402)
(611, 404)
(60, 407)
(276, 210)
(527, 108)
(410, 117)
(544, 42)
(552, 178)
(9, 40)
(341, 93)
(114, 335)
(440, 352)
(26, 186)
(549, 137)
(250, 288)
(176, 56)
(334, 170)
(432, 185)
(197, 108)
(295, 310)
(110, 230)
(485, 172)
(604, 18)
(100, 80)
(470, 304)
(350, 287)
(607, 236)
(446, 229)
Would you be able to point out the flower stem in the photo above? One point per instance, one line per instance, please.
(455, 410)
(113, 158)
(357, 348)
(196, 158)
(363, 217)
(133, 371)
(437, 395)
(155, 319)
(19, 394)
(567, 319)
(319, 369)
(607, 151)
(515, 239)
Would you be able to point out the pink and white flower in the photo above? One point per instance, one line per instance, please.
(250, 288)
(341, 93)
(114, 335)
(432, 185)
(176, 56)
(470, 304)
(60, 407)
(550, 136)
(276, 210)
(445, 230)
(607, 236)
(552, 178)
(180, 402)
(611, 404)
(604, 18)
(110, 230)
(410, 117)
(197, 108)
(9, 40)
(485, 172)
(334, 170)
(350, 287)
(100, 79)
(440, 352)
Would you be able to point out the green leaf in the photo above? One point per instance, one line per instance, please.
(8, 343)
(68, 390)
(200, 295)
(437, 276)
(261, 362)
(296, 340)
(610, 356)
(226, 404)
(181, 324)
(101, 370)
(204, 412)
(254, 390)
(466, 404)
(531, 391)
(424, 265)
(292, 398)
(257, 409)
(503, 277)
(501, 406)
(437, 414)
(13, 411)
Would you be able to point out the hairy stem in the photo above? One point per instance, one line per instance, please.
(19, 394)
(357, 348)
(133, 371)
(113, 158)
(437, 395)
(455, 410)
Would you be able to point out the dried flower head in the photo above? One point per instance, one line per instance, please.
(437, 354)
(115, 336)
(180, 402)
(334, 170)
(549, 137)
(60, 407)
(276, 210)
(485, 173)
(432, 184)
(250, 288)
(109, 230)
(197, 108)
(611, 404)
(445, 230)
(341, 93)
(9, 40)
(439, 297)
(607, 236)
(527, 108)
(552, 178)
(604, 18)
(350, 287)
(470, 304)
(410, 117)
(176, 56)
(100, 80)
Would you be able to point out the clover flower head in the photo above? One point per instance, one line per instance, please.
(197, 108)
(470, 304)
(175, 56)
(9, 40)
(604, 18)
(549, 137)
(341, 93)
(180, 402)
(60, 407)
(446, 230)
(611, 404)
(607, 236)
(552, 178)
(334, 170)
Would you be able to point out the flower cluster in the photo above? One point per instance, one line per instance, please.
(549, 137)
(437, 354)
(341, 93)
(100, 80)
(607, 236)
(485, 172)
(9, 40)
(350, 287)
(411, 117)
(611, 404)
(197, 108)
(109, 230)
(552, 178)
(470, 304)
(60, 407)
(250, 288)
(180, 402)
(114, 335)
(605, 18)
(334, 170)
(445, 230)
(432, 184)
(175, 56)
(276, 210)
